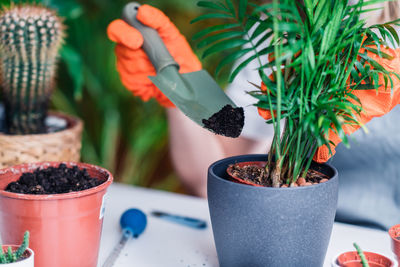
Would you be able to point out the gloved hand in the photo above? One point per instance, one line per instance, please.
(375, 103)
(134, 66)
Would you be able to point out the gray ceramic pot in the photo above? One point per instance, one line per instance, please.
(262, 226)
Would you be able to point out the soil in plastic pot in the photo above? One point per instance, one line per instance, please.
(53, 180)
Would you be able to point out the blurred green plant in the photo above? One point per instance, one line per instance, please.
(122, 134)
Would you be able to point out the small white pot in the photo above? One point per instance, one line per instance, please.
(27, 262)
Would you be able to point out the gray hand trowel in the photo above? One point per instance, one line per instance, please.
(196, 94)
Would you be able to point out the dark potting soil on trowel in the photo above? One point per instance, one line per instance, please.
(228, 121)
(258, 175)
(53, 180)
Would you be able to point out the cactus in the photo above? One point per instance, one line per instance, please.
(9, 256)
(30, 38)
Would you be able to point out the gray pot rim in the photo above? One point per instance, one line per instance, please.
(211, 170)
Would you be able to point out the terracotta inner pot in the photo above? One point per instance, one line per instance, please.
(242, 164)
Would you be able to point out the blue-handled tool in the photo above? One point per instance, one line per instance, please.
(183, 220)
(133, 222)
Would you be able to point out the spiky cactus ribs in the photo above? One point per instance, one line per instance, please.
(30, 38)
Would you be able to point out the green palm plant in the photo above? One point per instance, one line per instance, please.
(320, 48)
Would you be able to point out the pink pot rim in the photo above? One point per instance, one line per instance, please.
(392, 232)
(32, 166)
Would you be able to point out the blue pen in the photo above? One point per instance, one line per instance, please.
(183, 220)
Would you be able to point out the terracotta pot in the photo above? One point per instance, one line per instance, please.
(352, 259)
(394, 233)
(242, 164)
(26, 262)
(64, 145)
(65, 229)
(264, 226)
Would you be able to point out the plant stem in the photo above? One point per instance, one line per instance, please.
(276, 174)
(364, 260)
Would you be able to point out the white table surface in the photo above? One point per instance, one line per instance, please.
(167, 244)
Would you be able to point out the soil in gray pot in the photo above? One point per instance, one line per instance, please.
(61, 179)
(257, 174)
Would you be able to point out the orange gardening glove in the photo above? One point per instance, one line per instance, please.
(134, 66)
(375, 103)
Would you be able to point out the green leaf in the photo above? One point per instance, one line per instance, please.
(212, 16)
(382, 55)
(212, 5)
(261, 28)
(224, 45)
(310, 54)
(214, 28)
(241, 66)
(242, 9)
(231, 58)
(321, 14)
(110, 139)
(73, 61)
(251, 21)
(263, 39)
(230, 7)
(219, 36)
(393, 32)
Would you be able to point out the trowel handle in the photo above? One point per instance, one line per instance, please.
(153, 45)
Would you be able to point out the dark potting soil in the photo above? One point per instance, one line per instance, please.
(258, 175)
(53, 180)
(251, 173)
(398, 237)
(228, 121)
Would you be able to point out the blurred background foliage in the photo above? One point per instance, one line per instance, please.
(122, 133)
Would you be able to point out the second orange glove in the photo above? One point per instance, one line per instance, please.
(375, 103)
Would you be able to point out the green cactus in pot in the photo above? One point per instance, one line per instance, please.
(9, 256)
(30, 38)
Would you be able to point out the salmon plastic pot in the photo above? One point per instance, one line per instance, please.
(394, 233)
(27, 261)
(352, 259)
(239, 180)
(265, 226)
(65, 229)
